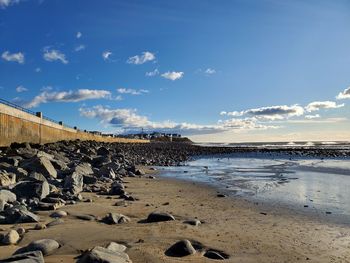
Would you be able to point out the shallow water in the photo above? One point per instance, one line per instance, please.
(310, 185)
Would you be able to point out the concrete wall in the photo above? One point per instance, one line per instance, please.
(19, 126)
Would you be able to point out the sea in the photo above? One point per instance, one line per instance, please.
(315, 186)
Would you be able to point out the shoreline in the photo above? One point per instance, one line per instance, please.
(231, 225)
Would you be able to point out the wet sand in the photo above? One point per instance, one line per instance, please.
(232, 225)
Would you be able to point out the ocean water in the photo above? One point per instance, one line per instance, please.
(317, 186)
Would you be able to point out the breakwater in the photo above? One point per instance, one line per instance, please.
(21, 125)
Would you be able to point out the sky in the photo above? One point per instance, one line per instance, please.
(215, 71)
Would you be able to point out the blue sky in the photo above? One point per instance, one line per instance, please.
(228, 70)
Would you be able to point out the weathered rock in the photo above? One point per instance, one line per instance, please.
(140, 172)
(74, 183)
(27, 257)
(19, 214)
(40, 164)
(83, 168)
(159, 217)
(55, 222)
(116, 247)
(117, 189)
(5, 198)
(39, 226)
(7, 178)
(32, 188)
(101, 254)
(46, 246)
(114, 218)
(59, 214)
(86, 217)
(102, 151)
(214, 254)
(21, 231)
(11, 238)
(37, 176)
(181, 249)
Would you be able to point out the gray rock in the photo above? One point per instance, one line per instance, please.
(40, 164)
(37, 176)
(83, 168)
(214, 254)
(114, 218)
(11, 238)
(27, 257)
(31, 189)
(74, 183)
(59, 214)
(116, 247)
(102, 151)
(117, 189)
(19, 214)
(181, 249)
(86, 217)
(46, 246)
(55, 222)
(101, 254)
(5, 198)
(159, 217)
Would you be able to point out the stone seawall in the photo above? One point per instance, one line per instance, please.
(19, 126)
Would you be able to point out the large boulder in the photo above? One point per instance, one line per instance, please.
(46, 246)
(41, 165)
(74, 183)
(159, 217)
(11, 238)
(5, 198)
(83, 168)
(181, 249)
(27, 257)
(105, 255)
(114, 218)
(20, 214)
(32, 188)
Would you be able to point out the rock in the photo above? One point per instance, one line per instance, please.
(7, 178)
(11, 238)
(74, 183)
(21, 231)
(215, 254)
(117, 189)
(40, 164)
(86, 217)
(37, 177)
(181, 249)
(101, 254)
(102, 151)
(46, 246)
(19, 214)
(88, 179)
(55, 222)
(39, 226)
(27, 257)
(59, 214)
(193, 222)
(140, 172)
(159, 217)
(83, 168)
(116, 247)
(49, 206)
(30, 189)
(114, 218)
(5, 198)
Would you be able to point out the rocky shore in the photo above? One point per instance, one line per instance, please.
(37, 179)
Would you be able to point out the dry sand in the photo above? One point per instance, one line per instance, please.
(237, 227)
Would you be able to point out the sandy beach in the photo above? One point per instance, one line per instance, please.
(245, 231)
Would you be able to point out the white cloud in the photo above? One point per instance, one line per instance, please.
(344, 95)
(173, 75)
(152, 73)
(317, 105)
(270, 113)
(6, 3)
(78, 35)
(311, 117)
(106, 54)
(14, 57)
(132, 91)
(245, 124)
(67, 96)
(21, 89)
(37, 70)
(138, 60)
(79, 48)
(54, 55)
(210, 71)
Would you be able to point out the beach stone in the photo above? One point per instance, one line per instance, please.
(193, 222)
(5, 198)
(27, 257)
(114, 218)
(59, 214)
(39, 226)
(116, 247)
(38, 177)
(86, 217)
(140, 172)
(159, 217)
(101, 254)
(41, 165)
(74, 183)
(11, 238)
(117, 189)
(55, 222)
(46, 246)
(214, 254)
(21, 231)
(30, 189)
(181, 249)
(19, 214)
